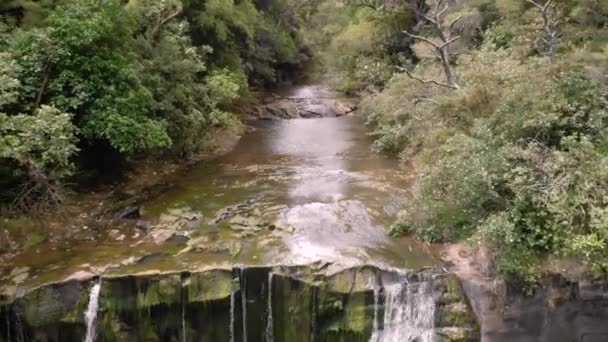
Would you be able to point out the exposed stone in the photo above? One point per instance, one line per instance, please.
(80, 276)
(129, 213)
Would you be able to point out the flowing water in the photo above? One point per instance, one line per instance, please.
(269, 320)
(317, 180)
(244, 303)
(409, 313)
(232, 310)
(91, 314)
(293, 193)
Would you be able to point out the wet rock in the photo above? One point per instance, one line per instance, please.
(176, 222)
(457, 334)
(117, 235)
(210, 285)
(54, 303)
(151, 258)
(80, 276)
(129, 213)
(314, 102)
(7, 293)
(343, 108)
(178, 240)
(352, 280)
(304, 304)
(19, 274)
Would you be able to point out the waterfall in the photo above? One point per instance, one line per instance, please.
(244, 303)
(90, 316)
(184, 300)
(409, 312)
(19, 327)
(313, 328)
(269, 323)
(375, 329)
(232, 304)
(8, 323)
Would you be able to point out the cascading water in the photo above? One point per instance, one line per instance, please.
(244, 302)
(409, 312)
(19, 328)
(90, 316)
(8, 324)
(375, 329)
(184, 300)
(313, 328)
(232, 304)
(269, 322)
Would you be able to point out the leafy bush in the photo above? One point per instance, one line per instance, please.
(516, 159)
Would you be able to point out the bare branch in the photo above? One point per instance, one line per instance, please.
(163, 21)
(441, 84)
(442, 12)
(454, 22)
(424, 39)
(537, 5)
(449, 41)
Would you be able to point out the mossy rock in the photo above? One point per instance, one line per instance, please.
(455, 315)
(350, 317)
(353, 280)
(210, 285)
(457, 334)
(450, 289)
(140, 292)
(51, 304)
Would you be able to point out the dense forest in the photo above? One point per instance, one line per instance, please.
(500, 106)
(89, 84)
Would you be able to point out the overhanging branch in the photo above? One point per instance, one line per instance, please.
(441, 84)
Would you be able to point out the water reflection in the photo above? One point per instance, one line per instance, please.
(337, 195)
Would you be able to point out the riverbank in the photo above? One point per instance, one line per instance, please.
(141, 179)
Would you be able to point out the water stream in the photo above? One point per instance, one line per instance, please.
(269, 319)
(409, 312)
(244, 303)
(232, 310)
(90, 314)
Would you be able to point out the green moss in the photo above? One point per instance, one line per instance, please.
(210, 285)
(455, 315)
(164, 289)
(351, 281)
(33, 239)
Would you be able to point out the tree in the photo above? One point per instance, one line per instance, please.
(447, 36)
(84, 64)
(551, 21)
(41, 145)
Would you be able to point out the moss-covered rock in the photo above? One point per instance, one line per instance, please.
(210, 285)
(454, 318)
(360, 279)
(54, 303)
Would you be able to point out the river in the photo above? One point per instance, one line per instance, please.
(316, 176)
(282, 239)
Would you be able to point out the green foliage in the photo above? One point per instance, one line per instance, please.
(516, 158)
(140, 76)
(84, 63)
(45, 141)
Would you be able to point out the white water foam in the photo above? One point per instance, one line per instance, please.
(244, 303)
(269, 322)
(232, 304)
(90, 316)
(409, 313)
